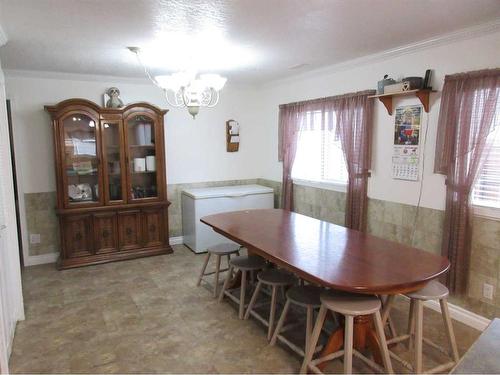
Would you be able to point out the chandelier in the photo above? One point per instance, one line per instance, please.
(187, 89)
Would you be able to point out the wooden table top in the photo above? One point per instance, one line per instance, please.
(329, 254)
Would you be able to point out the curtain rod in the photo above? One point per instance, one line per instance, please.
(328, 98)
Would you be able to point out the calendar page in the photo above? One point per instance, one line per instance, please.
(405, 159)
(405, 163)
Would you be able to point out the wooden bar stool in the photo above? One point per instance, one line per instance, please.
(307, 296)
(349, 305)
(434, 290)
(244, 264)
(220, 250)
(275, 279)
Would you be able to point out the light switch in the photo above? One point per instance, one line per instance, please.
(488, 291)
(34, 239)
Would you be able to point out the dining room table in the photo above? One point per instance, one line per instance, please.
(333, 256)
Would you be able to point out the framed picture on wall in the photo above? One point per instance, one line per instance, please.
(407, 125)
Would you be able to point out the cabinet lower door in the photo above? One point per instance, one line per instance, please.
(77, 235)
(154, 227)
(105, 233)
(129, 230)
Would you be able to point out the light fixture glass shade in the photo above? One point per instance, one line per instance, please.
(193, 110)
(168, 82)
(184, 89)
(214, 81)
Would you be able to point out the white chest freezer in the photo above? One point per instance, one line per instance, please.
(197, 203)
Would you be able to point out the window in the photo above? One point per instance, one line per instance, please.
(319, 155)
(487, 187)
(486, 192)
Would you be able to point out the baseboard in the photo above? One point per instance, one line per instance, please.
(461, 315)
(34, 260)
(179, 240)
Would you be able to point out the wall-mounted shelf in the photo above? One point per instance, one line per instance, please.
(423, 95)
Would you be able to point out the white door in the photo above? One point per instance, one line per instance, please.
(11, 299)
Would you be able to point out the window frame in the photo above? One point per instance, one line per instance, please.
(323, 184)
(486, 212)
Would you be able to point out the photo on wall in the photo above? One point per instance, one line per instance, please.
(407, 125)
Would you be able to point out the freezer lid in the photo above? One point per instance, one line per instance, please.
(227, 191)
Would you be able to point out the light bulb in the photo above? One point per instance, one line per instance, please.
(193, 110)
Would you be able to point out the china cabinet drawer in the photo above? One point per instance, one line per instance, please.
(130, 233)
(105, 233)
(77, 235)
(153, 227)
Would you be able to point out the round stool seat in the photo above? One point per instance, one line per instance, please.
(224, 249)
(433, 290)
(307, 295)
(350, 304)
(276, 277)
(248, 263)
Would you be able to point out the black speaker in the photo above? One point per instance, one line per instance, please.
(427, 79)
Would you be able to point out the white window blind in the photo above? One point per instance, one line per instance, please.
(486, 190)
(487, 187)
(319, 152)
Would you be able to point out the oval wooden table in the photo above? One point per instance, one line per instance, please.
(335, 257)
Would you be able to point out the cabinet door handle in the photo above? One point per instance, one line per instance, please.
(128, 231)
(105, 233)
(78, 236)
(152, 228)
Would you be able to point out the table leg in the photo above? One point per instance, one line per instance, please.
(334, 344)
(364, 338)
(374, 346)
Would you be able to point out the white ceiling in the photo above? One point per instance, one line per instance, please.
(249, 41)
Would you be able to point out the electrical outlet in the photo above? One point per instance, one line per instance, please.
(34, 239)
(488, 291)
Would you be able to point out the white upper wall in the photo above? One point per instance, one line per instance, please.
(195, 149)
(460, 56)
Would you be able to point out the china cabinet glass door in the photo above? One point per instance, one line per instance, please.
(142, 157)
(113, 156)
(81, 160)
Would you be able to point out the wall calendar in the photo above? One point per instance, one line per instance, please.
(405, 157)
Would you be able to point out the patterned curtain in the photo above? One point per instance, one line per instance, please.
(290, 120)
(353, 115)
(355, 123)
(468, 106)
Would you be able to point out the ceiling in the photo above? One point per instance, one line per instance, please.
(249, 41)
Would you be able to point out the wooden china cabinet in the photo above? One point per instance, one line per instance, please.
(111, 182)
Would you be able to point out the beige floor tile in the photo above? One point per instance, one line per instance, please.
(147, 316)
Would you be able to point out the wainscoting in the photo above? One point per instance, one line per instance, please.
(421, 228)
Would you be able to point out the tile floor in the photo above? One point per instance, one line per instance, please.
(147, 316)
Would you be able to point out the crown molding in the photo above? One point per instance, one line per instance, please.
(18, 73)
(462, 34)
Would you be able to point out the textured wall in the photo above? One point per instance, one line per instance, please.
(41, 219)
